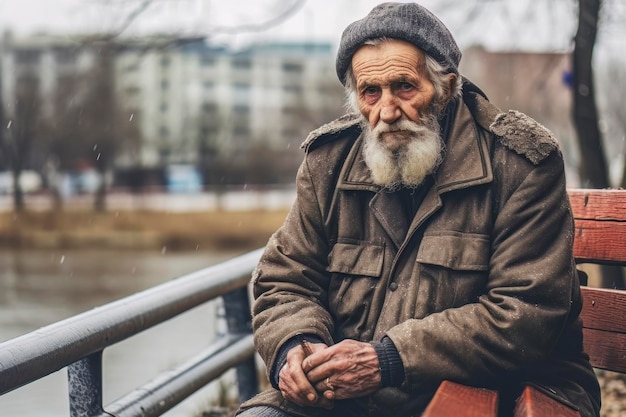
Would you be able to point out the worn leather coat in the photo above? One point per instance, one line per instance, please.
(478, 287)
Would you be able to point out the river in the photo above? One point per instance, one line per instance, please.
(38, 287)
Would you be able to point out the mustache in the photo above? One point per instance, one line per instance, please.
(398, 126)
(427, 123)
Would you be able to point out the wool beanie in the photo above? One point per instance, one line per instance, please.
(410, 22)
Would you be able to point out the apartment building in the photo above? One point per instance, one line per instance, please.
(192, 102)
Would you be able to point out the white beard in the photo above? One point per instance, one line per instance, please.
(409, 165)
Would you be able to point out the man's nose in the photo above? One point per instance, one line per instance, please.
(389, 111)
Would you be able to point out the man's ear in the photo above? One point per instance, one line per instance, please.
(449, 88)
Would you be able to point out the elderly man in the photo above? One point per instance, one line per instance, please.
(431, 240)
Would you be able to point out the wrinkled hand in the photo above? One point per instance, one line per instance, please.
(348, 369)
(293, 382)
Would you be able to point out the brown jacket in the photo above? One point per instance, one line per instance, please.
(479, 287)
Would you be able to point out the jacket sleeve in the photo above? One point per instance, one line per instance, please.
(290, 282)
(518, 321)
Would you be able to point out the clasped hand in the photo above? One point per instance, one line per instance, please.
(349, 369)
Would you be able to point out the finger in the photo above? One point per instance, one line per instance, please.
(329, 395)
(325, 403)
(327, 361)
(315, 352)
(327, 389)
(295, 386)
(296, 396)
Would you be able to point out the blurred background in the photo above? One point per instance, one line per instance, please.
(144, 139)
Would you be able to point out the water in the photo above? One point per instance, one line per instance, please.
(41, 287)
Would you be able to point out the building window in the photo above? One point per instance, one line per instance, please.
(209, 108)
(241, 87)
(65, 56)
(164, 153)
(208, 61)
(208, 131)
(292, 88)
(241, 63)
(27, 56)
(241, 110)
(165, 84)
(241, 133)
(163, 107)
(164, 132)
(292, 67)
(165, 61)
(241, 93)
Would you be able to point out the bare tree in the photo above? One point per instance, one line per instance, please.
(88, 124)
(593, 164)
(593, 167)
(617, 109)
(20, 134)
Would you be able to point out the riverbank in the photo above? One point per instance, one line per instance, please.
(137, 229)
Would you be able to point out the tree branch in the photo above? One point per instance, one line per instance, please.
(293, 9)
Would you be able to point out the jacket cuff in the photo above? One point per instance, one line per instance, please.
(389, 362)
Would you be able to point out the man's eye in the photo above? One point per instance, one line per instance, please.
(405, 87)
(370, 91)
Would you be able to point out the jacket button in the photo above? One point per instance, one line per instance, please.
(393, 286)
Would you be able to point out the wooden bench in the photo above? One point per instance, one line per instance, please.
(600, 227)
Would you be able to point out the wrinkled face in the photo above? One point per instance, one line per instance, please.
(390, 86)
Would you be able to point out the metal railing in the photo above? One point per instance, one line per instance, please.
(78, 342)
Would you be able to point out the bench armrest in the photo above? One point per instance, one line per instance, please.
(452, 399)
(534, 403)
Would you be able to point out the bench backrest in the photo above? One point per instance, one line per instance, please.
(600, 237)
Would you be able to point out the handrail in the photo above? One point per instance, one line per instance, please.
(170, 388)
(35, 355)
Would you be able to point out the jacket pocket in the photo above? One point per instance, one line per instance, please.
(357, 258)
(453, 270)
(355, 268)
(455, 250)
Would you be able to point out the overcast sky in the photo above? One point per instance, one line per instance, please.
(528, 25)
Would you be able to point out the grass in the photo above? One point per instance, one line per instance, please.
(139, 229)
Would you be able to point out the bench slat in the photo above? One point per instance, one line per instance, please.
(600, 241)
(600, 225)
(604, 309)
(534, 403)
(598, 204)
(606, 350)
(452, 399)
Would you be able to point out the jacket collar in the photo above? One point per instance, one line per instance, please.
(465, 164)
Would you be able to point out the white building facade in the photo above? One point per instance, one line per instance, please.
(192, 103)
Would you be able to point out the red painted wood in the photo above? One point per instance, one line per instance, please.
(600, 225)
(600, 241)
(452, 399)
(534, 403)
(598, 204)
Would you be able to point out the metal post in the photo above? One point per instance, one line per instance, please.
(239, 320)
(85, 386)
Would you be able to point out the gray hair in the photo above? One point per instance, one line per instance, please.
(436, 73)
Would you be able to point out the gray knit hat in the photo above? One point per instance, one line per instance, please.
(407, 21)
